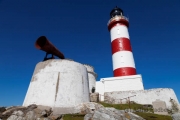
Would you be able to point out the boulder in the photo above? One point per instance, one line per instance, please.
(176, 116)
(9, 111)
(111, 114)
(16, 115)
(2, 109)
(88, 107)
(31, 112)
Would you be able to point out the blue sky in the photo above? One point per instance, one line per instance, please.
(79, 30)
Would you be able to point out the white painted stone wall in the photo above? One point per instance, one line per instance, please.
(144, 96)
(100, 90)
(124, 83)
(58, 83)
(91, 76)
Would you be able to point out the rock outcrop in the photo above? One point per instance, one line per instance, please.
(95, 111)
(91, 110)
(111, 114)
(176, 116)
(32, 112)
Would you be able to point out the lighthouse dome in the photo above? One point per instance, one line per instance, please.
(116, 11)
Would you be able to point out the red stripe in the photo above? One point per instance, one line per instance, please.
(120, 21)
(121, 44)
(125, 71)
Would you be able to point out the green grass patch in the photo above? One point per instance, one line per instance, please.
(151, 116)
(73, 117)
(133, 106)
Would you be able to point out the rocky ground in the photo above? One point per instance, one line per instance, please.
(91, 110)
(31, 112)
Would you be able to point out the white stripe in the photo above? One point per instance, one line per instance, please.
(123, 59)
(119, 31)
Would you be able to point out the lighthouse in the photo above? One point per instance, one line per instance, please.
(122, 57)
(125, 82)
(125, 77)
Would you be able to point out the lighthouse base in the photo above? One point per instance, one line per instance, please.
(125, 83)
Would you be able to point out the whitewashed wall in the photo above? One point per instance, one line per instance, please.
(100, 90)
(124, 83)
(144, 96)
(91, 76)
(58, 83)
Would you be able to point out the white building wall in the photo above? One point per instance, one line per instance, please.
(92, 81)
(58, 83)
(91, 76)
(144, 96)
(89, 68)
(124, 83)
(100, 87)
(100, 90)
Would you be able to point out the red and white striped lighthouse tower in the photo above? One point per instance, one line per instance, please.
(122, 57)
(125, 77)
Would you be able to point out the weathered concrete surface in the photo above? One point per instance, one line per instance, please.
(91, 76)
(94, 97)
(143, 96)
(159, 107)
(58, 83)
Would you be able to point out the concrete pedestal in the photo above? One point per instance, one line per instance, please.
(58, 84)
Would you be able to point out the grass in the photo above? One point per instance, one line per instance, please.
(133, 106)
(147, 116)
(151, 116)
(73, 117)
